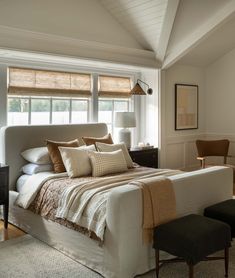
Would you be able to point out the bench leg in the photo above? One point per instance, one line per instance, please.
(226, 260)
(157, 262)
(190, 268)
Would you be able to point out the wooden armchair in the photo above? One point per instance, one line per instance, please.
(220, 148)
(212, 148)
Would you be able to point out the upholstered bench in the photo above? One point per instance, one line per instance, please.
(192, 238)
(224, 211)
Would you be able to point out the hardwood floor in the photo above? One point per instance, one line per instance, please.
(11, 232)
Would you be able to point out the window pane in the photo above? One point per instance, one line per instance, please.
(105, 111)
(110, 128)
(40, 111)
(60, 111)
(120, 106)
(18, 111)
(79, 111)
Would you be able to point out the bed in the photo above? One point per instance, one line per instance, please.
(123, 253)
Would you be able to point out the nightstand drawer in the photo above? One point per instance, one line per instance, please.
(147, 157)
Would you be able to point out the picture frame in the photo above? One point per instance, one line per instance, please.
(186, 106)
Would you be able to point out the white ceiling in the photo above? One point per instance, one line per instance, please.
(151, 33)
(142, 18)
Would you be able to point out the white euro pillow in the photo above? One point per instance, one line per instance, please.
(32, 168)
(104, 163)
(102, 147)
(76, 160)
(38, 155)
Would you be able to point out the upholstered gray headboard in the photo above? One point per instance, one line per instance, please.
(15, 139)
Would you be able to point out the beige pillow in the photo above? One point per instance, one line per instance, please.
(38, 155)
(103, 163)
(76, 160)
(114, 147)
(55, 153)
(92, 140)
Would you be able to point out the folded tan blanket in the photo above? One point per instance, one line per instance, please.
(159, 205)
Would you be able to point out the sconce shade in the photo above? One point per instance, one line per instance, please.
(137, 90)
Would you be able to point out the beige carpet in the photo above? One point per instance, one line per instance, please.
(27, 257)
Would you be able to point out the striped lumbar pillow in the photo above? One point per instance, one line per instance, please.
(102, 147)
(103, 163)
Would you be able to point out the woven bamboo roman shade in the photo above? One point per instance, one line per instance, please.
(114, 86)
(48, 83)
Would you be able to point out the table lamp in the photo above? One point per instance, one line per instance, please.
(125, 120)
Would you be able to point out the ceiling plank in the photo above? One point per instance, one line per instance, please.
(202, 32)
(171, 10)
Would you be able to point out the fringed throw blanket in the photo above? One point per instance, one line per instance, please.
(159, 205)
(74, 200)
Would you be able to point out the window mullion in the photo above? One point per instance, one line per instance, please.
(70, 110)
(95, 98)
(30, 111)
(50, 120)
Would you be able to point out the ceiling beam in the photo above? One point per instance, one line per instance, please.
(171, 10)
(25, 40)
(198, 35)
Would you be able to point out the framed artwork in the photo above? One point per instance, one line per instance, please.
(186, 106)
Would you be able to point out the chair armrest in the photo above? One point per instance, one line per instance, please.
(201, 158)
(202, 161)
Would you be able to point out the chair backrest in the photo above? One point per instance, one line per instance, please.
(212, 147)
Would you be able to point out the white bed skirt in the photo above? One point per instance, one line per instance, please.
(123, 254)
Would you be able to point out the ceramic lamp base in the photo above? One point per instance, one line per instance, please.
(125, 136)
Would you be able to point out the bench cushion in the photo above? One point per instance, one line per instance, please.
(224, 211)
(192, 237)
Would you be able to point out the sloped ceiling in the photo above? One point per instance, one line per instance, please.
(142, 18)
(149, 33)
(213, 47)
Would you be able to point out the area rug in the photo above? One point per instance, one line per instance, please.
(27, 257)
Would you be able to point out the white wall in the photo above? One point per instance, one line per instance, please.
(149, 113)
(220, 87)
(220, 99)
(177, 147)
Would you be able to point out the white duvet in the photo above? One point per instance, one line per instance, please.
(32, 186)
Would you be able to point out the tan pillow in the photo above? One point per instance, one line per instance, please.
(107, 139)
(55, 153)
(76, 160)
(103, 163)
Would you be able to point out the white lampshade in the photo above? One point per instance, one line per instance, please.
(125, 119)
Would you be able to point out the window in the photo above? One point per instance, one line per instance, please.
(50, 97)
(47, 110)
(47, 97)
(114, 95)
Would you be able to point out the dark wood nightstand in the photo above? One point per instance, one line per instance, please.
(4, 191)
(145, 157)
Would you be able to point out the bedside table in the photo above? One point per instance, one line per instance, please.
(145, 157)
(4, 191)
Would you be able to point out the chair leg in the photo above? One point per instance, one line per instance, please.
(157, 262)
(190, 267)
(226, 260)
